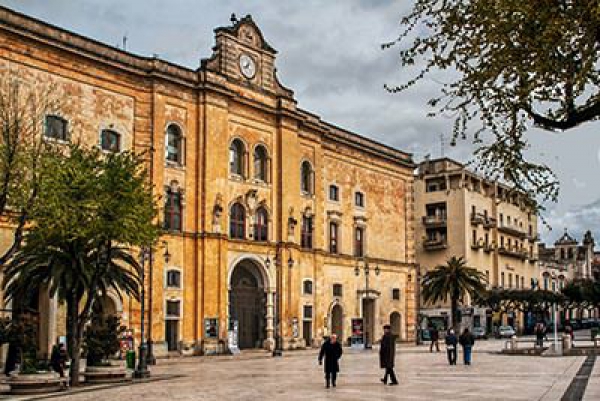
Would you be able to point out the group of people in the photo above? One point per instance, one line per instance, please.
(331, 352)
(466, 341)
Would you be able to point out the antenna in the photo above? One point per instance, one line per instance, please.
(125, 41)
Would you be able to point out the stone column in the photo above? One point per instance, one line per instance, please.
(270, 341)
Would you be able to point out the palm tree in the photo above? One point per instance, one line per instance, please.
(453, 280)
(78, 273)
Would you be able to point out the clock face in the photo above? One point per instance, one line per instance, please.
(247, 66)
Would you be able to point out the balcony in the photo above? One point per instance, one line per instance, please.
(435, 221)
(476, 219)
(513, 252)
(435, 244)
(487, 248)
(512, 230)
(477, 245)
(489, 222)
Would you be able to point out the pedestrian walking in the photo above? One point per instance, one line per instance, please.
(539, 335)
(58, 359)
(467, 341)
(451, 343)
(435, 338)
(331, 351)
(387, 354)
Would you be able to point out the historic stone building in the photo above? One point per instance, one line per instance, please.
(259, 197)
(459, 213)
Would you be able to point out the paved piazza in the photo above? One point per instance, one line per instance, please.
(297, 376)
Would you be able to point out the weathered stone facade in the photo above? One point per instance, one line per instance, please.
(235, 95)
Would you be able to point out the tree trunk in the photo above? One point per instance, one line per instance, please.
(454, 311)
(74, 338)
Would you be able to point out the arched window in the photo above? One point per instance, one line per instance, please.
(237, 152)
(261, 228)
(237, 222)
(172, 210)
(110, 140)
(260, 163)
(306, 178)
(174, 145)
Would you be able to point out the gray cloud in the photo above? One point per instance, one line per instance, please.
(330, 55)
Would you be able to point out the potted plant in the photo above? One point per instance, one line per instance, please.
(32, 376)
(101, 343)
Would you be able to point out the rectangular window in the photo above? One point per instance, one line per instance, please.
(487, 277)
(501, 219)
(396, 294)
(517, 281)
(487, 239)
(110, 140)
(359, 243)
(56, 128)
(473, 211)
(308, 312)
(337, 290)
(174, 278)
(333, 237)
(359, 199)
(307, 232)
(172, 211)
(522, 282)
(334, 193)
(308, 287)
(502, 279)
(475, 237)
(509, 280)
(173, 309)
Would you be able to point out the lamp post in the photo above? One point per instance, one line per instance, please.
(278, 351)
(367, 270)
(141, 370)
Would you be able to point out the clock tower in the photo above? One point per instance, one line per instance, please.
(243, 55)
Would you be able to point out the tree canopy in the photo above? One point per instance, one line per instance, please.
(509, 64)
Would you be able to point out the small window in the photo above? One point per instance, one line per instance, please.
(173, 210)
(307, 287)
(306, 178)
(174, 148)
(237, 221)
(307, 232)
(396, 294)
(333, 237)
(174, 278)
(334, 193)
(337, 290)
(359, 242)
(173, 309)
(359, 199)
(237, 153)
(110, 140)
(56, 128)
(261, 228)
(308, 312)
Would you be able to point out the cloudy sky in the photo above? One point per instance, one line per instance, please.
(330, 55)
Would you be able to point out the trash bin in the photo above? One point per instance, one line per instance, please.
(130, 359)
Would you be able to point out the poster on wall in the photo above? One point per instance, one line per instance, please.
(357, 340)
(211, 328)
(232, 337)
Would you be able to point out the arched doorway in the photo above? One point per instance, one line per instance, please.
(248, 304)
(337, 321)
(396, 323)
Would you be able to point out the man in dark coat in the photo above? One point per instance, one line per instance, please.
(435, 337)
(451, 343)
(467, 341)
(332, 352)
(387, 354)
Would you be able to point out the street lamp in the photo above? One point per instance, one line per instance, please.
(142, 368)
(278, 351)
(367, 270)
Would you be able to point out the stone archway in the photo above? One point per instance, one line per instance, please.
(248, 304)
(337, 321)
(396, 323)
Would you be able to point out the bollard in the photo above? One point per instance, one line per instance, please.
(513, 342)
(130, 359)
(566, 343)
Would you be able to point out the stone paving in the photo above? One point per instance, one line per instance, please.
(297, 376)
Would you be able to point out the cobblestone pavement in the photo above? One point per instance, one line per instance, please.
(297, 376)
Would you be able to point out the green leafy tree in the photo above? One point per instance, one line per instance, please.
(102, 339)
(454, 281)
(507, 64)
(91, 211)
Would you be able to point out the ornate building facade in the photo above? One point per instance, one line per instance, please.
(268, 210)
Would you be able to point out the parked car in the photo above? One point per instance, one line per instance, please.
(479, 333)
(506, 332)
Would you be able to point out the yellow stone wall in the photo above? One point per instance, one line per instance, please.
(102, 87)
